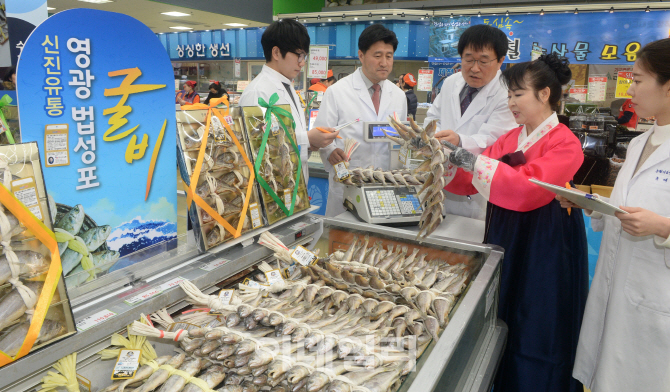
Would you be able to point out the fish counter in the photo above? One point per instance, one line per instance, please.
(321, 304)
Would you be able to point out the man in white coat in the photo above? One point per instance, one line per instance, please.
(286, 46)
(471, 109)
(367, 95)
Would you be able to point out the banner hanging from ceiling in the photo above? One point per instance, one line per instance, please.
(586, 38)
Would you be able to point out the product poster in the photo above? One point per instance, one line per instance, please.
(623, 82)
(99, 101)
(22, 17)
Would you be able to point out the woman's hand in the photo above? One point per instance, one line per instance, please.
(640, 222)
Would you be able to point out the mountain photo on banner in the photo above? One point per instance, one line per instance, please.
(444, 35)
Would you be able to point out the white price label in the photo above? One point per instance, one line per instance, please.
(318, 62)
(287, 198)
(342, 171)
(126, 364)
(212, 265)
(171, 284)
(255, 215)
(226, 295)
(152, 292)
(229, 120)
(94, 319)
(25, 190)
(274, 276)
(402, 155)
(303, 256)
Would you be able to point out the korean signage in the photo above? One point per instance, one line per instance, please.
(623, 82)
(199, 51)
(318, 62)
(587, 38)
(597, 88)
(579, 93)
(425, 82)
(102, 112)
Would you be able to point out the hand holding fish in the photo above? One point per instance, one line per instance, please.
(461, 157)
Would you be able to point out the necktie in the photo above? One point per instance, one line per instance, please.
(376, 96)
(467, 100)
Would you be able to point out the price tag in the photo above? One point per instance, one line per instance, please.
(212, 265)
(274, 127)
(402, 155)
(171, 284)
(84, 383)
(274, 276)
(287, 197)
(226, 295)
(229, 120)
(152, 292)
(255, 215)
(126, 364)
(94, 319)
(303, 256)
(56, 151)
(342, 171)
(26, 191)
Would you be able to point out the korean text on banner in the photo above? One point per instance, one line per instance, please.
(318, 62)
(112, 103)
(425, 82)
(623, 81)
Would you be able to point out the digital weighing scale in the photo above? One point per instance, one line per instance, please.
(384, 205)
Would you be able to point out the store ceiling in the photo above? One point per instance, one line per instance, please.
(149, 13)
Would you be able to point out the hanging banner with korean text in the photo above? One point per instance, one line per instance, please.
(587, 38)
(102, 112)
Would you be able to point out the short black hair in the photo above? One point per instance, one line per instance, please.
(480, 37)
(8, 75)
(375, 33)
(331, 79)
(549, 70)
(286, 34)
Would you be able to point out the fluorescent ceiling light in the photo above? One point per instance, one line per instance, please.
(50, 8)
(181, 28)
(97, 1)
(175, 13)
(235, 24)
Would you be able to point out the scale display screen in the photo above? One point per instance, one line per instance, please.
(375, 131)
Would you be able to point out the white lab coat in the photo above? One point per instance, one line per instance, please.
(345, 101)
(264, 85)
(485, 120)
(624, 343)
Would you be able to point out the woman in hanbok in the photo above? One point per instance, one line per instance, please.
(544, 279)
(624, 344)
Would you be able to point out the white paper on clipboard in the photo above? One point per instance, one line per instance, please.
(587, 201)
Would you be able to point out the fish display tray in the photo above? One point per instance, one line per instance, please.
(223, 170)
(284, 180)
(23, 162)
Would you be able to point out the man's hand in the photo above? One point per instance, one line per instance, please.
(450, 136)
(640, 222)
(318, 139)
(337, 156)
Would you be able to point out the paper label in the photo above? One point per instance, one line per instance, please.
(318, 62)
(152, 292)
(26, 191)
(84, 383)
(402, 155)
(212, 265)
(56, 145)
(171, 284)
(255, 215)
(126, 364)
(229, 120)
(274, 127)
(274, 276)
(226, 295)
(174, 327)
(252, 283)
(287, 197)
(341, 171)
(303, 256)
(425, 81)
(94, 319)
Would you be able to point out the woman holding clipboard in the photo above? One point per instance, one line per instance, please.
(624, 344)
(544, 279)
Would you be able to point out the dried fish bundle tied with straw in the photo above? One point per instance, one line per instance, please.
(65, 378)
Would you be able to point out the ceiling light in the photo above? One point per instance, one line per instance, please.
(576, 11)
(506, 13)
(181, 28)
(647, 10)
(225, 29)
(452, 16)
(175, 13)
(304, 21)
(50, 8)
(206, 30)
(355, 18)
(422, 18)
(479, 14)
(236, 24)
(542, 12)
(611, 10)
(383, 17)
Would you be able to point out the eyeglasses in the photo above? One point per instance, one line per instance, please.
(301, 56)
(482, 63)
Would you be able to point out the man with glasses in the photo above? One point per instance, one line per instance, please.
(285, 46)
(471, 109)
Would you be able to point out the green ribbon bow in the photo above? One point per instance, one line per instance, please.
(5, 101)
(271, 109)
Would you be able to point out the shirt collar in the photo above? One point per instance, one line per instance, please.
(550, 123)
(276, 75)
(368, 82)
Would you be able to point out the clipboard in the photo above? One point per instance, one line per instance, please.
(587, 201)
